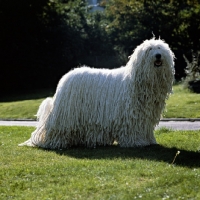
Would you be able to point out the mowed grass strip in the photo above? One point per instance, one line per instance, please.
(101, 173)
(22, 105)
(181, 104)
(25, 109)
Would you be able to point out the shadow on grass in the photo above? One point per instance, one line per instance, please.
(155, 152)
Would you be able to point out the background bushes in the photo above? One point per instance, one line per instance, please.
(178, 23)
(41, 40)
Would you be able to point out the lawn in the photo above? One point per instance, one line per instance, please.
(23, 105)
(101, 173)
(181, 104)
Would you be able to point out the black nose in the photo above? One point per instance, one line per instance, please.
(158, 56)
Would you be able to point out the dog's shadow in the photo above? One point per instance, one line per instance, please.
(154, 152)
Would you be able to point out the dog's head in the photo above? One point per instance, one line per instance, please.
(157, 53)
(152, 62)
(153, 53)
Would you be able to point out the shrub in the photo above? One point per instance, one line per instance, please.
(192, 80)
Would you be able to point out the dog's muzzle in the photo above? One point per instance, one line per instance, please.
(158, 62)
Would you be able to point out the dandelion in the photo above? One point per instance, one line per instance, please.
(178, 152)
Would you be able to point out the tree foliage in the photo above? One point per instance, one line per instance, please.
(177, 22)
(39, 37)
(41, 40)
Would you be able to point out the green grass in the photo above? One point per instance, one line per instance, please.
(19, 109)
(181, 104)
(23, 105)
(101, 173)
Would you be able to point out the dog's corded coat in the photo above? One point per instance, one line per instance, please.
(99, 106)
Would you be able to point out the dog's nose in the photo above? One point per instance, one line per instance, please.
(158, 56)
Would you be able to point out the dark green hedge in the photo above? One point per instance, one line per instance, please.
(41, 40)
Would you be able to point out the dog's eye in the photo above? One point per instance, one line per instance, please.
(150, 49)
(158, 47)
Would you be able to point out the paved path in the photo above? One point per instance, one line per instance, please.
(176, 125)
(180, 125)
(18, 123)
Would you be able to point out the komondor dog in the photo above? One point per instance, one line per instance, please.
(99, 106)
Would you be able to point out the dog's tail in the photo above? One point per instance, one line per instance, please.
(44, 109)
(42, 115)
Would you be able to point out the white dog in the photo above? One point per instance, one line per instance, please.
(99, 106)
